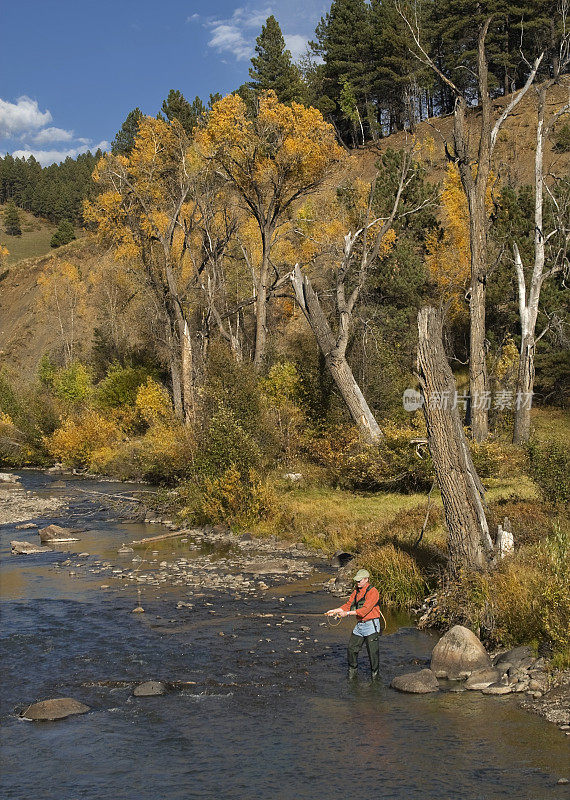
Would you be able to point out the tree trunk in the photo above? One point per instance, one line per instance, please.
(335, 360)
(478, 382)
(186, 372)
(525, 387)
(469, 543)
(262, 296)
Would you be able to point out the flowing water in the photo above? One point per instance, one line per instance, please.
(263, 711)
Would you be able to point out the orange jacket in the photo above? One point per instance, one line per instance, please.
(370, 609)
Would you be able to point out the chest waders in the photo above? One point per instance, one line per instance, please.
(355, 642)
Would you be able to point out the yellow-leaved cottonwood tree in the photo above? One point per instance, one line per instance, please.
(271, 159)
(146, 212)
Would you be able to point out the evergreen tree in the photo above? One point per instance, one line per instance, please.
(12, 220)
(124, 140)
(177, 107)
(272, 68)
(343, 42)
(63, 235)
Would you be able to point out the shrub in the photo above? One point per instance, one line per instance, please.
(550, 468)
(399, 580)
(562, 138)
(393, 465)
(120, 386)
(493, 460)
(63, 235)
(227, 444)
(79, 437)
(72, 385)
(230, 498)
(164, 455)
(530, 520)
(525, 600)
(153, 403)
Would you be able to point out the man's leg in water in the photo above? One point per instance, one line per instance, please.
(354, 644)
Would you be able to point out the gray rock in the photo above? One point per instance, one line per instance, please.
(8, 477)
(520, 657)
(497, 688)
(482, 678)
(25, 548)
(421, 682)
(58, 708)
(55, 533)
(26, 526)
(458, 653)
(149, 689)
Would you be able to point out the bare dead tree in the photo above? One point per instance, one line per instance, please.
(560, 233)
(361, 249)
(474, 164)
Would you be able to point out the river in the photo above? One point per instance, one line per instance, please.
(264, 710)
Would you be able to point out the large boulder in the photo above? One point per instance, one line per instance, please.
(8, 477)
(458, 653)
(421, 682)
(149, 689)
(24, 548)
(58, 708)
(55, 533)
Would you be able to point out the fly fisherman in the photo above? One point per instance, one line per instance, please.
(363, 604)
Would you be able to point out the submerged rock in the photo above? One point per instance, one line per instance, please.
(497, 688)
(58, 708)
(421, 682)
(149, 689)
(459, 653)
(25, 548)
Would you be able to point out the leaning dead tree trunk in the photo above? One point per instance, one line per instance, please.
(335, 358)
(469, 543)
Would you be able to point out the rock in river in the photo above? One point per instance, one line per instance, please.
(25, 548)
(58, 708)
(482, 678)
(458, 653)
(421, 682)
(55, 533)
(149, 689)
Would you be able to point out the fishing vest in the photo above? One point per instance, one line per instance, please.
(358, 604)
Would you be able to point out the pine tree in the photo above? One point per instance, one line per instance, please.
(124, 140)
(343, 42)
(177, 107)
(272, 68)
(63, 235)
(12, 220)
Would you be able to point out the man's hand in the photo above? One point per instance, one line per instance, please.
(336, 612)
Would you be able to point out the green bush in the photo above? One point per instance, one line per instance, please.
(226, 444)
(550, 468)
(392, 465)
(72, 385)
(120, 386)
(232, 498)
(63, 235)
(398, 577)
(562, 138)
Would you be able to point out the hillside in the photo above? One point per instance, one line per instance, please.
(27, 330)
(34, 241)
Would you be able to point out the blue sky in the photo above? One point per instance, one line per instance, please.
(71, 71)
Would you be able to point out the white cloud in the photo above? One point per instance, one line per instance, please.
(237, 35)
(296, 44)
(22, 116)
(46, 157)
(50, 135)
